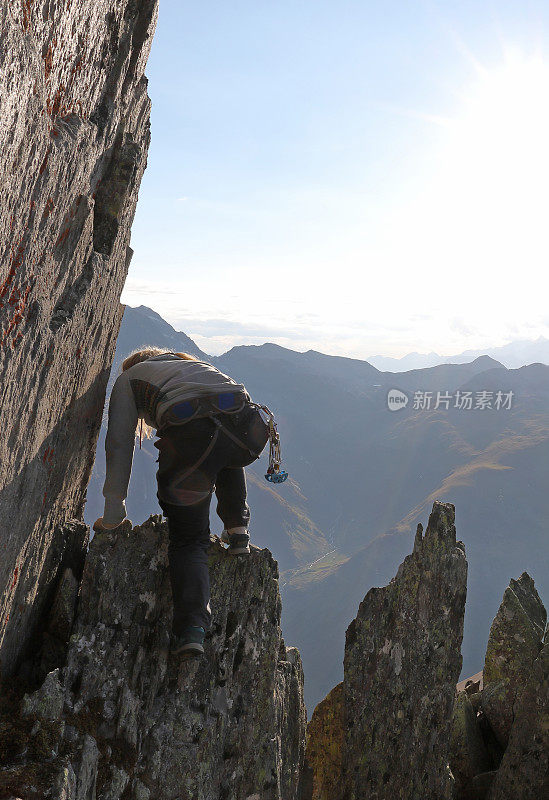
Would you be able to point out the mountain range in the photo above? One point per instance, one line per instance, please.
(513, 355)
(362, 476)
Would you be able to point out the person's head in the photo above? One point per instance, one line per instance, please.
(150, 350)
(142, 354)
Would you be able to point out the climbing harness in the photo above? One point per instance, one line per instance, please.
(213, 406)
(204, 406)
(275, 473)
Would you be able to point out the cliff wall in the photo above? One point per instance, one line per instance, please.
(74, 134)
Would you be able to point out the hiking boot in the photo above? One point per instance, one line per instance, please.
(238, 540)
(191, 641)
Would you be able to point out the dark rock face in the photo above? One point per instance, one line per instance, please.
(402, 662)
(139, 723)
(516, 639)
(73, 146)
(323, 769)
(468, 754)
(500, 734)
(524, 770)
(59, 624)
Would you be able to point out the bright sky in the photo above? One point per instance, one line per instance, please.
(357, 177)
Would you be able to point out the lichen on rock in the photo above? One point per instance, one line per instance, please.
(524, 770)
(402, 662)
(48, 701)
(515, 642)
(140, 722)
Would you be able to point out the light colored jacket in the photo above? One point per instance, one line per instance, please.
(145, 391)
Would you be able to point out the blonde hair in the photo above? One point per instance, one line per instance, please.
(142, 354)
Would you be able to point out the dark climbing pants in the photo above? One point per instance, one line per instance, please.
(184, 494)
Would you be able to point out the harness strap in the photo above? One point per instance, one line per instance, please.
(219, 427)
(202, 458)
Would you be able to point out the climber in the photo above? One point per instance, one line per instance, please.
(209, 430)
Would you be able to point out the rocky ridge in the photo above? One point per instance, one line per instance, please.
(397, 726)
(117, 718)
(124, 719)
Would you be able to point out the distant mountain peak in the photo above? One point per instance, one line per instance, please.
(266, 347)
(488, 362)
(145, 326)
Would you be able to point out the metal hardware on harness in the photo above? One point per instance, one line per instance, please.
(275, 473)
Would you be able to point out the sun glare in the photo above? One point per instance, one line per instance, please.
(485, 209)
(497, 161)
(501, 139)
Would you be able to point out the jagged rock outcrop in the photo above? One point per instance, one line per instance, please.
(323, 766)
(401, 666)
(515, 642)
(55, 638)
(73, 146)
(500, 734)
(140, 724)
(402, 662)
(469, 755)
(524, 770)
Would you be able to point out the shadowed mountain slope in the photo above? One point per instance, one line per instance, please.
(361, 478)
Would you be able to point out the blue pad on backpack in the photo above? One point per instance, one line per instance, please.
(183, 410)
(226, 400)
